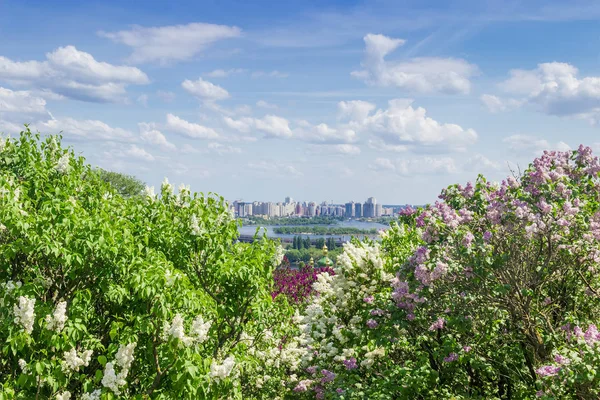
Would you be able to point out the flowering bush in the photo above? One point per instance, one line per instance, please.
(485, 279)
(112, 297)
(296, 284)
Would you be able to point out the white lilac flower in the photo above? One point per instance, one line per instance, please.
(200, 329)
(278, 256)
(149, 192)
(66, 395)
(3, 144)
(63, 163)
(23, 366)
(124, 358)
(56, 321)
(222, 371)
(73, 361)
(177, 330)
(95, 395)
(25, 313)
(196, 230)
(166, 186)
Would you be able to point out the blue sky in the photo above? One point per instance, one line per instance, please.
(318, 100)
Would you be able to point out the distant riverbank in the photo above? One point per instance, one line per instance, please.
(250, 230)
(323, 230)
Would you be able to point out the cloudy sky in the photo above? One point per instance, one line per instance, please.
(318, 99)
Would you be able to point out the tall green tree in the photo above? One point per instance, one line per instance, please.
(125, 185)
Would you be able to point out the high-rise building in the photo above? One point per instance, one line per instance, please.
(368, 210)
(312, 209)
(349, 210)
(378, 210)
(358, 210)
(288, 200)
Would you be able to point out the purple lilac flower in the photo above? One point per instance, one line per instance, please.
(379, 312)
(547, 370)
(437, 325)
(311, 370)
(410, 316)
(340, 390)
(451, 357)
(328, 376)
(372, 324)
(350, 363)
(487, 236)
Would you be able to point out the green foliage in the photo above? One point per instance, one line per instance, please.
(164, 274)
(125, 185)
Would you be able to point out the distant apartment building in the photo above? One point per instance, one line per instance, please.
(349, 210)
(358, 210)
(378, 210)
(312, 209)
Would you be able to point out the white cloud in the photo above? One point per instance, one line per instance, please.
(532, 145)
(418, 75)
(165, 96)
(143, 100)
(189, 129)
(323, 133)
(270, 125)
(222, 73)
(480, 163)
(75, 74)
(380, 145)
(223, 149)
(275, 169)
(416, 166)
(22, 102)
(205, 90)
(269, 74)
(85, 129)
(264, 104)
(171, 43)
(555, 89)
(138, 153)
(356, 110)
(333, 149)
(150, 134)
(402, 125)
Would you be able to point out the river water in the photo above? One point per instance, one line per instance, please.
(251, 229)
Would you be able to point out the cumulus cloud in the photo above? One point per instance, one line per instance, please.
(173, 43)
(416, 166)
(205, 90)
(355, 110)
(275, 169)
(138, 153)
(271, 125)
(150, 134)
(335, 149)
(223, 73)
(189, 129)
(269, 74)
(264, 104)
(75, 74)
(403, 125)
(222, 149)
(480, 163)
(533, 145)
(322, 133)
(554, 89)
(21, 102)
(85, 129)
(165, 96)
(417, 75)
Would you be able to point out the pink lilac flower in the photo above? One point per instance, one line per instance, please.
(350, 363)
(437, 325)
(372, 324)
(311, 370)
(562, 360)
(410, 316)
(328, 376)
(302, 386)
(487, 236)
(468, 239)
(340, 390)
(369, 299)
(547, 370)
(466, 349)
(379, 312)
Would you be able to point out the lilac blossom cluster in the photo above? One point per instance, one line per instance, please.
(296, 284)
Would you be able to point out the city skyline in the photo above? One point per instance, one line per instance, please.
(327, 99)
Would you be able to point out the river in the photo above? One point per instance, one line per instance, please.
(251, 229)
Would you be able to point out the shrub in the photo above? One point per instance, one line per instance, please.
(128, 297)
